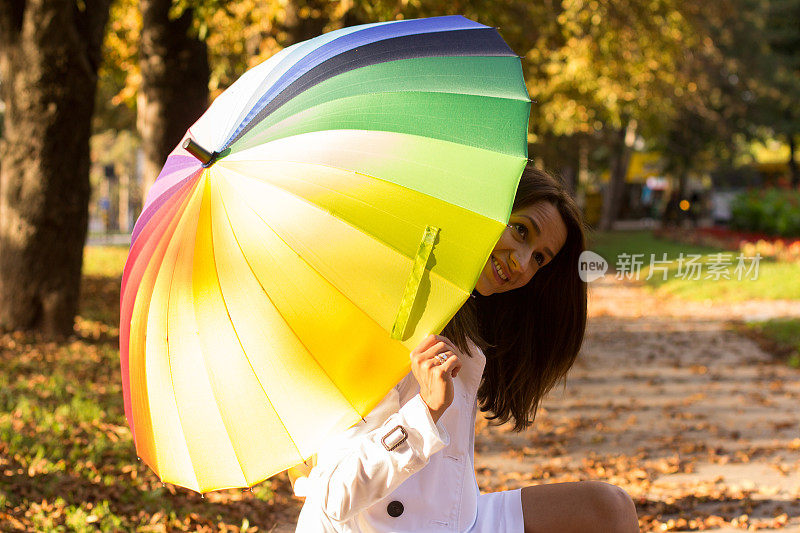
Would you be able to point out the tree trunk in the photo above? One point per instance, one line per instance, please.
(794, 173)
(174, 90)
(683, 180)
(49, 55)
(612, 199)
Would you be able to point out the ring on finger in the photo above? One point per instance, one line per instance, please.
(441, 358)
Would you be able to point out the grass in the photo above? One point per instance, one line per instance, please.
(775, 280)
(780, 336)
(67, 461)
(104, 261)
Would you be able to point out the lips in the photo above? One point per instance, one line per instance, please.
(499, 270)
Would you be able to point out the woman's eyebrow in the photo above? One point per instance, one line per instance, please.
(539, 232)
(534, 224)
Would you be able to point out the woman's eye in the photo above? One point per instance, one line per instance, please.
(521, 230)
(539, 258)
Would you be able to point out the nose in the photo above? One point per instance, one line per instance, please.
(520, 260)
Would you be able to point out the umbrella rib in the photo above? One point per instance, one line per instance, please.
(444, 134)
(247, 358)
(387, 245)
(169, 362)
(244, 199)
(230, 319)
(285, 322)
(323, 97)
(345, 221)
(334, 95)
(366, 154)
(350, 86)
(129, 292)
(419, 228)
(387, 49)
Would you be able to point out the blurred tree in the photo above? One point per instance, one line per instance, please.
(710, 99)
(736, 86)
(601, 74)
(608, 71)
(782, 31)
(119, 74)
(188, 50)
(173, 60)
(49, 56)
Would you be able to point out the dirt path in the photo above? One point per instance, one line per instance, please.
(697, 423)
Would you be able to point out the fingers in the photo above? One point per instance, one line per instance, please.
(431, 340)
(426, 343)
(441, 346)
(452, 346)
(437, 350)
(447, 363)
(440, 358)
(432, 360)
(451, 365)
(427, 357)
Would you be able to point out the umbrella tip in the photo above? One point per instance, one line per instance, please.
(204, 156)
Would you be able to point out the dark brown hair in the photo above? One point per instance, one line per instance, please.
(531, 335)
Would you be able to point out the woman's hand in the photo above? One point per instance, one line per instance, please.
(435, 362)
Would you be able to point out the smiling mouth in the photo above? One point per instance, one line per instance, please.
(498, 269)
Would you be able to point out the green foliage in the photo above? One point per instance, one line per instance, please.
(105, 261)
(615, 243)
(784, 330)
(782, 66)
(608, 63)
(87, 517)
(784, 333)
(118, 75)
(772, 211)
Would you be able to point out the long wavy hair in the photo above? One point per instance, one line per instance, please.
(530, 335)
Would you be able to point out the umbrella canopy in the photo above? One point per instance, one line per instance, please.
(331, 208)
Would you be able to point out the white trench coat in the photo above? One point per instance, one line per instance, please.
(398, 471)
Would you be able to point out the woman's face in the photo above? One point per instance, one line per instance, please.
(535, 235)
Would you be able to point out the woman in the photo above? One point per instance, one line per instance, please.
(409, 465)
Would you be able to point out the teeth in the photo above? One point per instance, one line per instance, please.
(498, 269)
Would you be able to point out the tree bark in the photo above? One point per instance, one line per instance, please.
(49, 55)
(174, 90)
(683, 178)
(612, 199)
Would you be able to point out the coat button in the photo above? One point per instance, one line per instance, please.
(394, 509)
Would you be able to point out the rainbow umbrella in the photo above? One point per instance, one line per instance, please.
(331, 208)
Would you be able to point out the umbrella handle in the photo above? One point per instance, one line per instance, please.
(206, 158)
